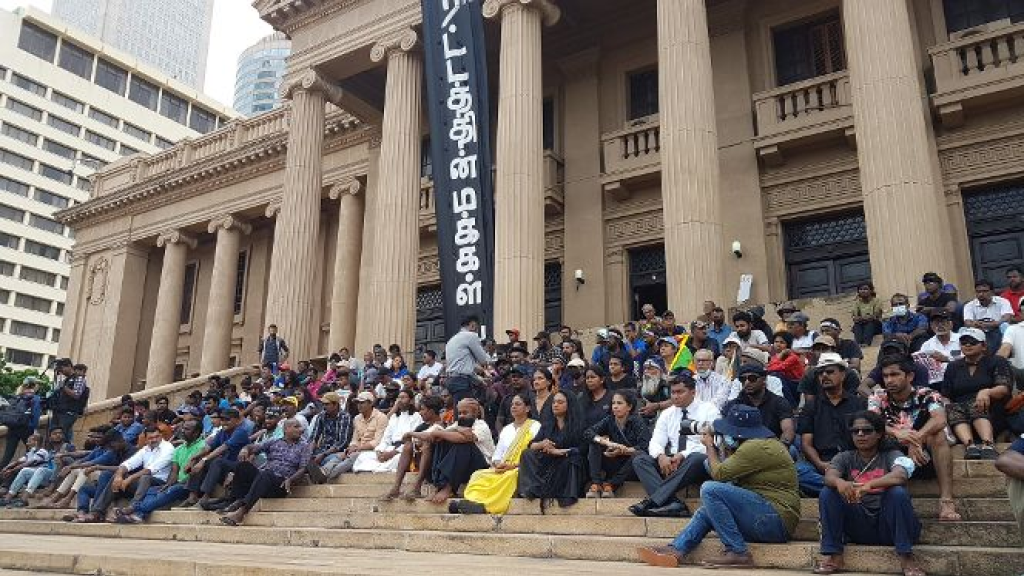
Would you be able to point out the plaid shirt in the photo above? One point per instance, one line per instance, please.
(284, 458)
(331, 433)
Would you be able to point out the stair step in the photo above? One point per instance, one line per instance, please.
(946, 560)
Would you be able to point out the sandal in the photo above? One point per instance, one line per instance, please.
(828, 565)
(913, 569)
(228, 521)
(953, 516)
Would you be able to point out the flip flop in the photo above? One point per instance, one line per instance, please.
(228, 521)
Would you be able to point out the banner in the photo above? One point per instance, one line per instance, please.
(456, 78)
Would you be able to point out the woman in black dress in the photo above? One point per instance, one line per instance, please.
(596, 400)
(553, 466)
(613, 442)
(543, 385)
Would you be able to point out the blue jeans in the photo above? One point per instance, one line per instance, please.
(30, 479)
(91, 490)
(737, 515)
(894, 524)
(155, 499)
(811, 481)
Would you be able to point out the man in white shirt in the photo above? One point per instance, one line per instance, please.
(943, 348)
(1012, 349)
(712, 387)
(149, 466)
(430, 370)
(989, 313)
(675, 457)
(748, 336)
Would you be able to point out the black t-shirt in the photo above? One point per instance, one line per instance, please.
(959, 385)
(774, 409)
(848, 349)
(940, 300)
(595, 410)
(627, 383)
(830, 423)
(809, 383)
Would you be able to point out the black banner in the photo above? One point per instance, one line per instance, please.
(456, 77)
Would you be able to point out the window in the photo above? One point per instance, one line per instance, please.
(189, 294)
(961, 15)
(28, 330)
(51, 198)
(83, 183)
(13, 186)
(64, 126)
(53, 173)
(59, 149)
(263, 86)
(67, 101)
(173, 107)
(9, 241)
(3, 73)
(426, 159)
(144, 93)
(163, 143)
(127, 150)
(16, 160)
(29, 84)
(809, 49)
(24, 109)
(24, 358)
(37, 276)
(202, 121)
(37, 42)
(37, 221)
(55, 335)
(63, 282)
(643, 94)
(76, 60)
(111, 77)
(6, 269)
(101, 141)
(44, 250)
(548, 133)
(12, 214)
(92, 162)
(20, 134)
(60, 309)
(103, 118)
(32, 303)
(135, 131)
(240, 270)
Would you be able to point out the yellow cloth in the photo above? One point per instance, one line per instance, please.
(494, 490)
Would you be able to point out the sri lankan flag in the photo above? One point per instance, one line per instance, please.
(684, 357)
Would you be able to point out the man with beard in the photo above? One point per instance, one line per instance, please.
(654, 392)
(808, 386)
(1014, 291)
(330, 433)
(567, 335)
(776, 413)
(747, 335)
(574, 372)
(517, 380)
(711, 386)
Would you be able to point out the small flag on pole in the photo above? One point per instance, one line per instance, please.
(684, 357)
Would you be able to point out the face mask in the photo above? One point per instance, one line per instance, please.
(466, 422)
(730, 442)
(899, 310)
(703, 373)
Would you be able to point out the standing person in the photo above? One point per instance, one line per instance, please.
(717, 327)
(463, 353)
(865, 500)
(867, 314)
(1011, 463)
(68, 397)
(273, 350)
(988, 313)
(27, 408)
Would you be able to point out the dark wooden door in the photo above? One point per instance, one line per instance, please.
(995, 225)
(825, 257)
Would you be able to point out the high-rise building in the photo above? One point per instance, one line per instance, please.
(69, 105)
(260, 70)
(172, 36)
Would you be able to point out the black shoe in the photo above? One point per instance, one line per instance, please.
(233, 506)
(671, 510)
(972, 452)
(466, 507)
(316, 473)
(214, 504)
(989, 452)
(642, 507)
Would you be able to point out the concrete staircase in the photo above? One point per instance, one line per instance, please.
(349, 515)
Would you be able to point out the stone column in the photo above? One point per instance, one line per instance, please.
(347, 257)
(690, 189)
(163, 347)
(893, 147)
(397, 240)
(519, 198)
(290, 302)
(220, 309)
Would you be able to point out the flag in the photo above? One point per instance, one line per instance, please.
(684, 357)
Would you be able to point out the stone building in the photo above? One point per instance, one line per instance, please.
(636, 141)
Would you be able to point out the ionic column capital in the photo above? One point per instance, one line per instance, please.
(549, 11)
(273, 209)
(228, 222)
(310, 80)
(400, 42)
(352, 186)
(175, 237)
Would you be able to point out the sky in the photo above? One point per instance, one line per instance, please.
(236, 26)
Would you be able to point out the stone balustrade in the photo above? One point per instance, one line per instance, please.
(802, 111)
(634, 149)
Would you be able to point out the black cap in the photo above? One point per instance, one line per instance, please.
(940, 313)
(931, 277)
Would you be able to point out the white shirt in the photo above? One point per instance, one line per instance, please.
(806, 341)
(666, 429)
(951, 351)
(1014, 336)
(484, 440)
(772, 383)
(999, 306)
(398, 425)
(756, 338)
(507, 437)
(713, 388)
(157, 461)
(429, 371)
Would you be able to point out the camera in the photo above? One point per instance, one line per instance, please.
(695, 427)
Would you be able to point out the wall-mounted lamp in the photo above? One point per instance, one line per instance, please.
(737, 249)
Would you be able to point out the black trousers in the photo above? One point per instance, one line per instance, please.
(250, 484)
(614, 471)
(660, 490)
(15, 437)
(216, 471)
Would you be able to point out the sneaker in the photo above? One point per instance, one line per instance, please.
(642, 507)
(662, 556)
(607, 491)
(730, 560)
(989, 452)
(316, 473)
(972, 452)
(594, 492)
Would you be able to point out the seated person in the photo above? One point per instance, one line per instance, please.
(776, 413)
(111, 451)
(208, 467)
(753, 496)
(176, 488)
(613, 443)
(553, 465)
(904, 324)
(943, 347)
(808, 387)
(367, 430)
(1011, 463)
(887, 349)
(785, 363)
(988, 313)
(384, 458)
(675, 457)
(824, 421)
(459, 450)
(491, 490)
(38, 475)
(803, 337)
(330, 433)
(287, 459)
(149, 466)
(711, 386)
(973, 384)
(754, 357)
(619, 377)
(596, 401)
(654, 392)
(128, 427)
(848, 349)
(865, 501)
(916, 419)
(17, 473)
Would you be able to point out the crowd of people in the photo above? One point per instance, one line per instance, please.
(753, 415)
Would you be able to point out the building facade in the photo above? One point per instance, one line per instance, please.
(834, 140)
(261, 69)
(69, 105)
(173, 36)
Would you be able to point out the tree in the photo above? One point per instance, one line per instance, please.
(11, 379)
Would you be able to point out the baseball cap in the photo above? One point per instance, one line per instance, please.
(513, 332)
(757, 355)
(558, 359)
(542, 335)
(331, 398)
(974, 333)
(830, 323)
(667, 340)
(733, 339)
(366, 396)
(393, 385)
(830, 359)
(652, 362)
(787, 306)
(824, 341)
(931, 277)
(602, 334)
(577, 363)
(752, 369)
(939, 314)
(698, 325)
(290, 400)
(798, 317)
(230, 413)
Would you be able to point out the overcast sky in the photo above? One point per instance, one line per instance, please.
(236, 26)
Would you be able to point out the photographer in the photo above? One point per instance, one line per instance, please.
(69, 396)
(753, 498)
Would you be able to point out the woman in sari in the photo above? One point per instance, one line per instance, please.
(553, 466)
(492, 490)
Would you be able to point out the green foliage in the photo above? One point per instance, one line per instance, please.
(10, 379)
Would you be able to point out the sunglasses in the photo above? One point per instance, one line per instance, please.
(861, 431)
(829, 371)
(750, 378)
(969, 342)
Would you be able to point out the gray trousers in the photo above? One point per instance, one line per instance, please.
(660, 490)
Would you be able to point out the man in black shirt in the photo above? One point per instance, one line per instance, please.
(809, 383)
(824, 422)
(848, 349)
(934, 299)
(973, 384)
(776, 413)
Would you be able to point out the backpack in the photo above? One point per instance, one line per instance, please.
(17, 414)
